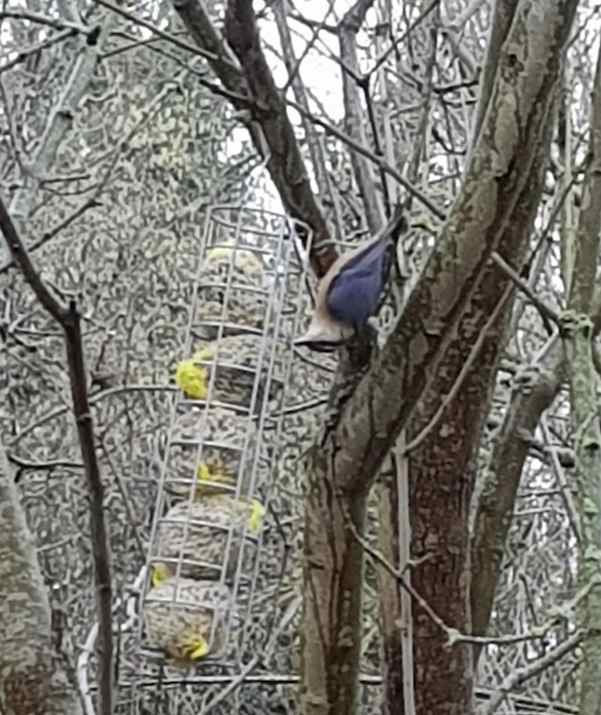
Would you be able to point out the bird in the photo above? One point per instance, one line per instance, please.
(351, 291)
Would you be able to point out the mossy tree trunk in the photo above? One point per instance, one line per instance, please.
(577, 331)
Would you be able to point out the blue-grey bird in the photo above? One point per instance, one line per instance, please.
(351, 291)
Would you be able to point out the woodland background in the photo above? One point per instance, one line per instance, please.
(459, 576)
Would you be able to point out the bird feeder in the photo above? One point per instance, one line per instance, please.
(232, 294)
(244, 374)
(186, 619)
(221, 456)
(213, 450)
(193, 538)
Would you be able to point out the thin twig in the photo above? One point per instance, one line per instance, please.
(400, 39)
(378, 161)
(50, 464)
(94, 399)
(241, 677)
(317, 29)
(21, 258)
(126, 500)
(547, 313)
(520, 675)
(160, 33)
(34, 49)
(56, 23)
(49, 235)
(354, 123)
(453, 635)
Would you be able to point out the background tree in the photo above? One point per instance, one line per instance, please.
(112, 148)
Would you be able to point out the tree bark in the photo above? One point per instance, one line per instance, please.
(32, 678)
(442, 469)
(577, 333)
(535, 392)
(426, 352)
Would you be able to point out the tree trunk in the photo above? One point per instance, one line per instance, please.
(32, 679)
(577, 331)
(442, 468)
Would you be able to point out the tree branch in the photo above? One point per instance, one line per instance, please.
(21, 258)
(502, 17)
(378, 161)
(207, 54)
(353, 114)
(314, 144)
(269, 122)
(69, 319)
(406, 367)
(577, 333)
(534, 392)
(520, 675)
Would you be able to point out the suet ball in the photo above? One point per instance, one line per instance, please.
(199, 532)
(179, 616)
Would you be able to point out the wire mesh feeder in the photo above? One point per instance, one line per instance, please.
(229, 447)
(219, 468)
(186, 618)
(235, 304)
(228, 367)
(194, 539)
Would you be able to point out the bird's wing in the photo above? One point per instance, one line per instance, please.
(354, 293)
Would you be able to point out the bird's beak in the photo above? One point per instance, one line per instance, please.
(318, 346)
(323, 337)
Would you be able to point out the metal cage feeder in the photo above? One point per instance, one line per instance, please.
(218, 470)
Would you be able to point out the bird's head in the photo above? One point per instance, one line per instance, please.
(325, 335)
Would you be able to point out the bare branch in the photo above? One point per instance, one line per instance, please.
(208, 55)
(384, 56)
(533, 393)
(452, 634)
(21, 258)
(287, 49)
(54, 22)
(546, 312)
(50, 234)
(353, 114)
(315, 146)
(269, 122)
(502, 17)
(69, 319)
(577, 333)
(24, 54)
(378, 161)
(98, 398)
(520, 675)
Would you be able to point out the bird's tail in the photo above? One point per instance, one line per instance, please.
(396, 224)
